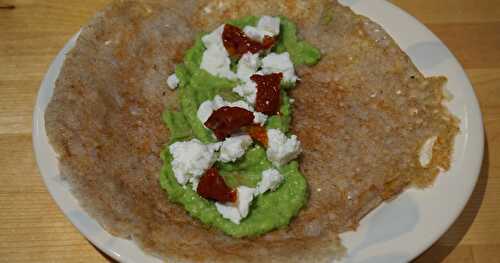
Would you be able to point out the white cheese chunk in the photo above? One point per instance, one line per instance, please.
(191, 159)
(247, 66)
(239, 210)
(194, 183)
(275, 63)
(229, 211)
(425, 156)
(234, 147)
(172, 81)
(271, 179)
(219, 102)
(215, 146)
(248, 90)
(260, 72)
(216, 62)
(266, 26)
(215, 59)
(259, 118)
(240, 104)
(281, 149)
(205, 110)
(255, 33)
(269, 24)
(196, 180)
(214, 40)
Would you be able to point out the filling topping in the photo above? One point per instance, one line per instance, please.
(231, 146)
(260, 89)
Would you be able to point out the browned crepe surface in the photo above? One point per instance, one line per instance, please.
(362, 114)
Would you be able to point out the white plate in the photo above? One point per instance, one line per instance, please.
(394, 232)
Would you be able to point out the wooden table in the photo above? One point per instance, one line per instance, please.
(32, 229)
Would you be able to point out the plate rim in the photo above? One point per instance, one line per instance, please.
(107, 247)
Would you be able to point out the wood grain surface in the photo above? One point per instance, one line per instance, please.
(32, 229)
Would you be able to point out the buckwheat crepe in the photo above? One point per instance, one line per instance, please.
(362, 115)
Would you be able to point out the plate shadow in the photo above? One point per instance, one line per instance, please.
(455, 234)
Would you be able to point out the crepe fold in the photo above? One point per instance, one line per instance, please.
(362, 115)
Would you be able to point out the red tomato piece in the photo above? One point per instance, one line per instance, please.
(238, 43)
(258, 133)
(213, 187)
(268, 93)
(227, 120)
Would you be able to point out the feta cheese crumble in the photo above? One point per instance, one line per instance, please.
(275, 63)
(271, 179)
(259, 118)
(173, 81)
(281, 149)
(215, 62)
(266, 26)
(239, 210)
(234, 147)
(205, 110)
(425, 155)
(215, 59)
(269, 24)
(254, 33)
(248, 91)
(191, 159)
(214, 40)
(248, 65)
(239, 103)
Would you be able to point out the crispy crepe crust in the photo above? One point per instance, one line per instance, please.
(362, 114)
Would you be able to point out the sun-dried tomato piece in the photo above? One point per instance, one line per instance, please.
(227, 120)
(258, 133)
(238, 43)
(213, 187)
(268, 42)
(268, 92)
